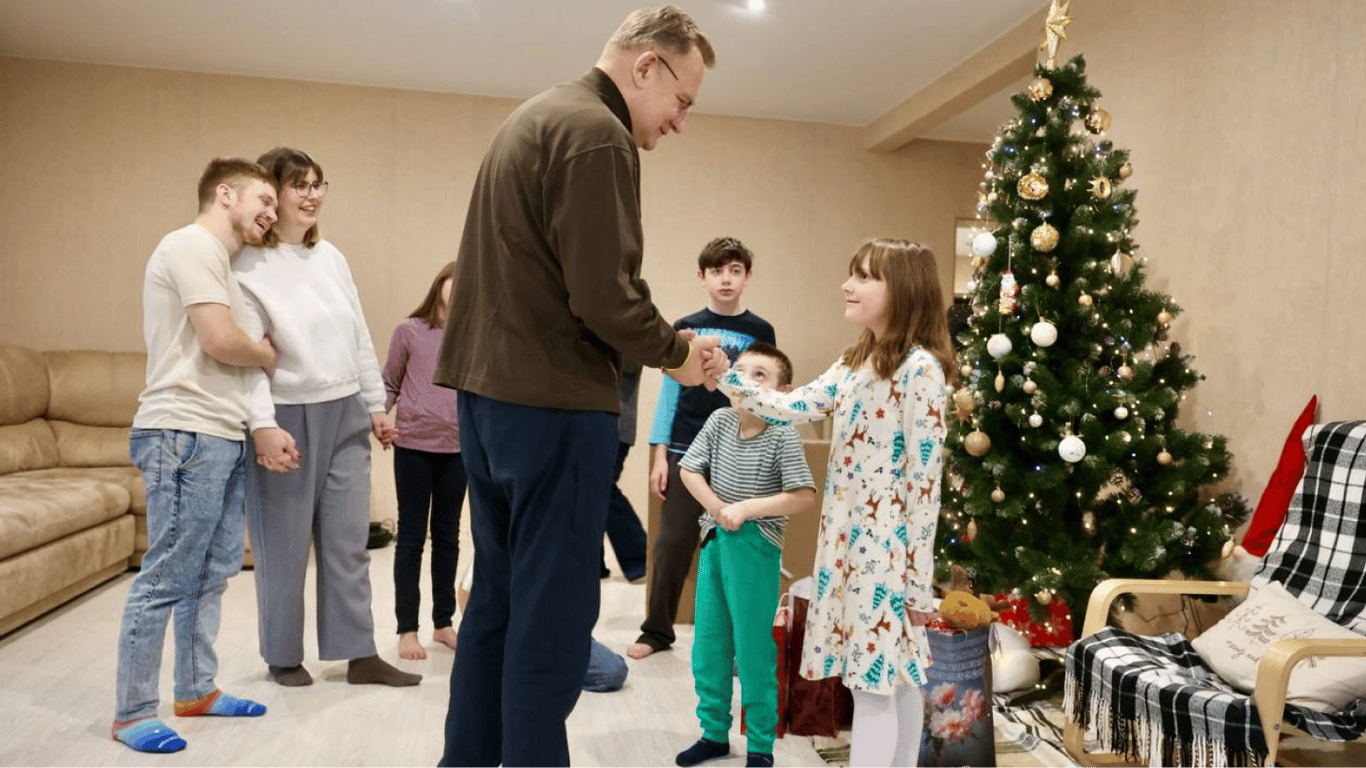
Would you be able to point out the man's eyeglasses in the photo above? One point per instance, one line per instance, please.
(665, 62)
(302, 188)
(683, 101)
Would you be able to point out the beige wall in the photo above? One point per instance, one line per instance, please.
(102, 161)
(1248, 133)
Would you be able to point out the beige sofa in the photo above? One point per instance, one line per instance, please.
(72, 507)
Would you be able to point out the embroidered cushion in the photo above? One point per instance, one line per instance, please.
(1234, 645)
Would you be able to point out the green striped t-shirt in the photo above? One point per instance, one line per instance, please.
(739, 468)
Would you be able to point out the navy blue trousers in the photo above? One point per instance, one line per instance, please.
(624, 530)
(539, 481)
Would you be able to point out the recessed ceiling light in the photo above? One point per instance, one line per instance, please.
(756, 5)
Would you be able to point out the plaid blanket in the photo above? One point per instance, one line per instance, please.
(1153, 699)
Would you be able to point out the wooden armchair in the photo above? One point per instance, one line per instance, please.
(1154, 700)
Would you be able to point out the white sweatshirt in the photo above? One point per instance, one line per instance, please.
(308, 304)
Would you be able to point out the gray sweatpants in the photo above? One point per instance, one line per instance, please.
(326, 501)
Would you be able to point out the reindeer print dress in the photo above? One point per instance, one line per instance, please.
(881, 503)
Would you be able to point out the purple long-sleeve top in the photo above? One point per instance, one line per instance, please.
(426, 413)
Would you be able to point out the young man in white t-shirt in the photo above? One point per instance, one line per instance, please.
(188, 439)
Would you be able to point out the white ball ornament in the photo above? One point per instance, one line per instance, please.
(999, 345)
(1121, 413)
(1030, 387)
(984, 244)
(1043, 333)
(1072, 449)
(1035, 420)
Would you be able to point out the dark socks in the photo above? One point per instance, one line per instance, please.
(292, 677)
(705, 749)
(759, 760)
(374, 670)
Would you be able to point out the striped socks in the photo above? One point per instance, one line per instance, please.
(219, 703)
(150, 735)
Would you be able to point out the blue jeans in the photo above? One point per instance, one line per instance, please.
(195, 487)
(606, 669)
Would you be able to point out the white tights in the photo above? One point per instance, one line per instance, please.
(887, 729)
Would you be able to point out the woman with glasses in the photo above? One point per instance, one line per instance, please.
(327, 389)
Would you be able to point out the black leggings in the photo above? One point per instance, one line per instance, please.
(436, 482)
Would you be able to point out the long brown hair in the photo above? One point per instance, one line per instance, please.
(288, 166)
(430, 308)
(915, 308)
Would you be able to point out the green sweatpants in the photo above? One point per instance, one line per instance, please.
(737, 594)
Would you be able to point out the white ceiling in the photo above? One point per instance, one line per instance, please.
(832, 61)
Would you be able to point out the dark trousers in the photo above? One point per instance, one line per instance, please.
(538, 482)
(675, 544)
(430, 486)
(624, 530)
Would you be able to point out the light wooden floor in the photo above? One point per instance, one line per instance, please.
(57, 679)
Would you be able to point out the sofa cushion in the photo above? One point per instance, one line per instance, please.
(129, 477)
(96, 388)
(26, 446)
(79, 445)
(23, 384)
(38, 510)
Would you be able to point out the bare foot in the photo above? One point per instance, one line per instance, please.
(409, 648)
(446, 636)
(639, 650)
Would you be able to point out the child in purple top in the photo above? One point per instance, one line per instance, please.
(428, 471)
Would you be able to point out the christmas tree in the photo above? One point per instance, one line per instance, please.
(1066, 465)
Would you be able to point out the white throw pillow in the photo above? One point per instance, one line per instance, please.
(1234, 646)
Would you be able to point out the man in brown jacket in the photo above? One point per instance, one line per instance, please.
(548, 300)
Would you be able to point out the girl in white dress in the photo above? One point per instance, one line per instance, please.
(887, 396)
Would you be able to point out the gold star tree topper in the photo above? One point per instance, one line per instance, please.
(1055, 29)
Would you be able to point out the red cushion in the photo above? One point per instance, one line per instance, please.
(1266, 521)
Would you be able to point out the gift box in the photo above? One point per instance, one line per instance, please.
(1055, 630)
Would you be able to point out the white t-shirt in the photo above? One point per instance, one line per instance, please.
(307, 301)
(186, 389)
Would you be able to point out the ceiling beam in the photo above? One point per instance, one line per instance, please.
(998, 64)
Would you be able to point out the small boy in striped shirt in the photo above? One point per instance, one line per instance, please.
(748, 475)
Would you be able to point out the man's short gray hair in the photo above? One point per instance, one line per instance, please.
(669, 27)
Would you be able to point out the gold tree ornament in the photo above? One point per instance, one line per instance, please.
(1126, 170)
(1085, 300)
(1098, 121)
(1164, 317)
(964, 403)
(1044, 238)
(1101, 187)
(1088, 523)
(1055, 30)
(977, 443)
(1032, 187)
(1000, 382)
(1039, 89)
(966, 370)
(998, 495)
(1164, 458)
(1052, 280)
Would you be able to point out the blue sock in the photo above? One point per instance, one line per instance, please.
(150, 735)
(704, 749)
(219, 703)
